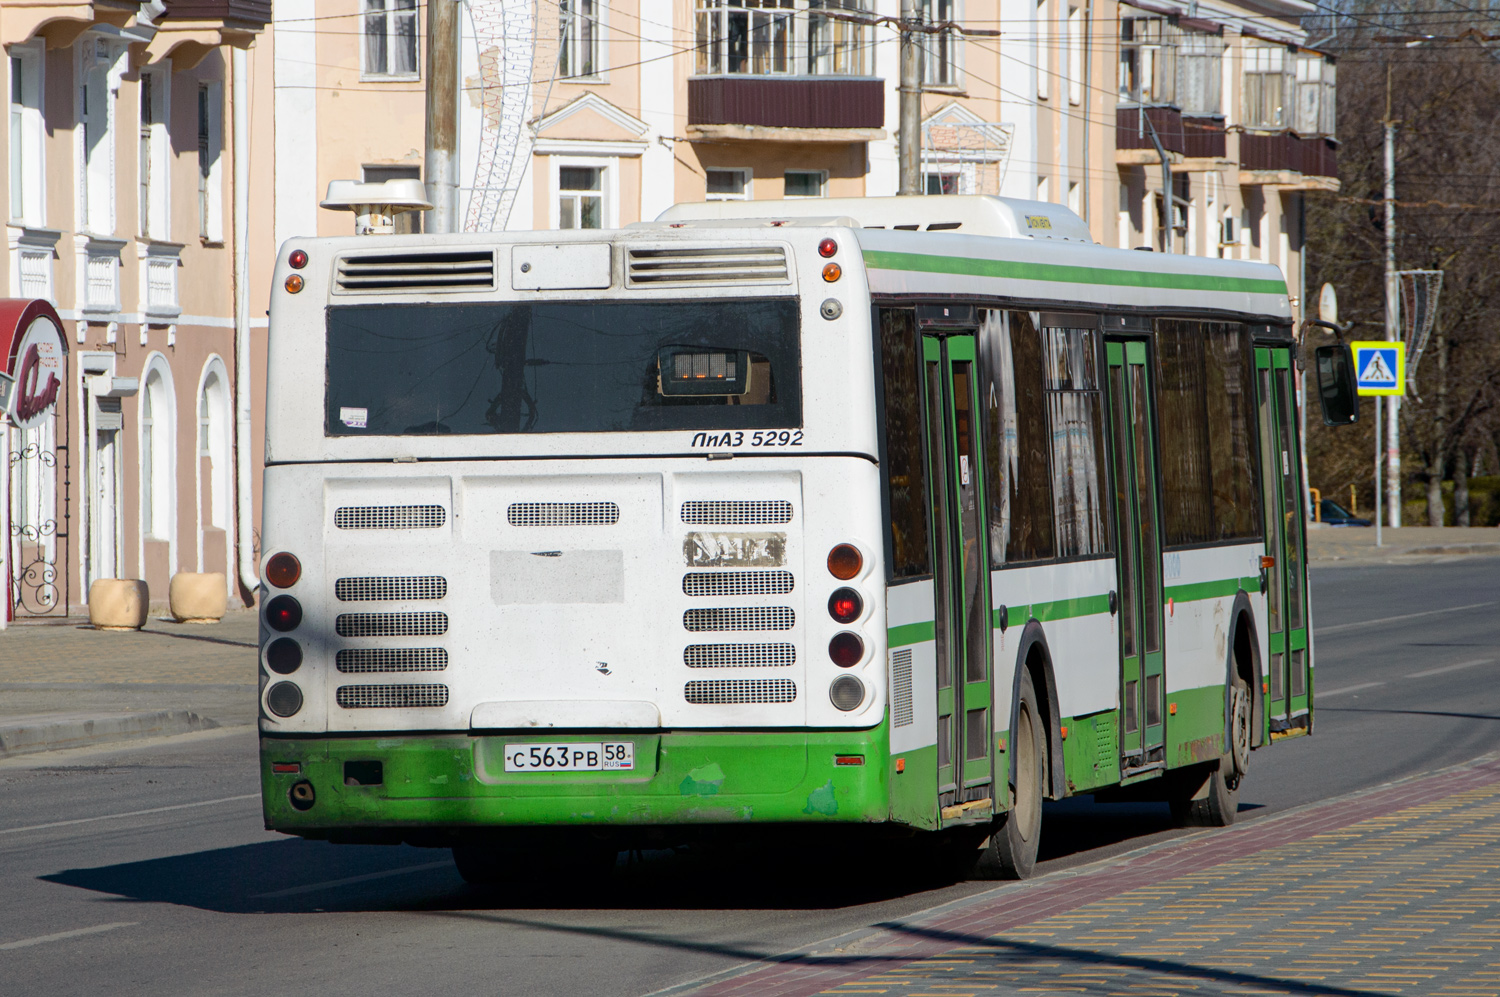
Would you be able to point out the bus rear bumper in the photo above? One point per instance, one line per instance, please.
(411, 784)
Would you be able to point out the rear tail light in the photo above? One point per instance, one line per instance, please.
(845, 605)
(284, 699)
(846, 649)
(827, 248)
(286, 768)
(284, 656)
(847, 692)
(283, 570)
(283, 613)
(845, 561)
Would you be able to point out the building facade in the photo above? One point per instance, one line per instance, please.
(118, 190)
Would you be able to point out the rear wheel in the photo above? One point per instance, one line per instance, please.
(1211, 797)
(1012, 848)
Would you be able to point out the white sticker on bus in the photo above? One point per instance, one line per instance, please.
(354, 418)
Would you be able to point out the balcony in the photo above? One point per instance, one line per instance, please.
(1203, 137)
(795, 108)
(255, 13)
(1132, 133)
(190, 29)
(1287, 159)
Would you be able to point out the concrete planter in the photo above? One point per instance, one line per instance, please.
(118, 603)
(198, 598)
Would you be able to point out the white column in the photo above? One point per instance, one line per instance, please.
(658, 108)
(1018, 60)
(883, 171)
(296, 114)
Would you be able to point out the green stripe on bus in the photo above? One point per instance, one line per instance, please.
(1211, 590)
(911, 633)
(1013, 270)
(1047, 612)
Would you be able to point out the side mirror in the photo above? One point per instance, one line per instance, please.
(1336, 389)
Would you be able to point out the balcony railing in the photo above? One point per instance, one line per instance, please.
(1316, 156)
(1203, 138)
(1133, 133)
(257, 12)
(786, 102)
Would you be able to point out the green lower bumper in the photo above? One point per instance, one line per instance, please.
(458, 781)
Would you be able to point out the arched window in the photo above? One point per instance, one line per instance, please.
(213, 445)
(158, 466)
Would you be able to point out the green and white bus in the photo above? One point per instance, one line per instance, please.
(909, 513)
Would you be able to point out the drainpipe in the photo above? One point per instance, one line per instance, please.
(1088, 100)
(244, 513)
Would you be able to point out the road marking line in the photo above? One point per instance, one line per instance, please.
(1451, 668)
(1322, 694)
(129, 813)
(1320, 631)
(64, 935)
(349, 881)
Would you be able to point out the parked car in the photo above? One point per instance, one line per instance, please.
(1336, 515)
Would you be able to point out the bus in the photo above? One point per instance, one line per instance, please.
(881, 515)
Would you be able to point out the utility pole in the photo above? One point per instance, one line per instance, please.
(1392, 315)
(909, 130)
(441, 163)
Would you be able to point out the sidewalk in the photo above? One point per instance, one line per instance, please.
(65, 684)
(1356, 544)
(1391, 891)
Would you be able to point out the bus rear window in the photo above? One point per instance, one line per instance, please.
(563, 367)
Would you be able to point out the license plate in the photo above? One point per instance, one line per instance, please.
(591, 756)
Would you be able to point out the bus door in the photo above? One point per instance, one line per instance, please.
(960, 569)
(1139, 597)
(1283, 568)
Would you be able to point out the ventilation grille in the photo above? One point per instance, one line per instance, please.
(740, 618)
(739, 655)
(712, 265)
(725, 692)
(391, 624)
(563, 514)
(737, 512)
(416, 272)
(390, 589)
(390, 517)
(902, 714)
(710, 583)
(392, 659)
(391, 697)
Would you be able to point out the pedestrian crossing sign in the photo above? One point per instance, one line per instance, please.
(1380, 367)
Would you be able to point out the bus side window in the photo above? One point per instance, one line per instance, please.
(1018, 484)
(905, 474)
(1075, 421)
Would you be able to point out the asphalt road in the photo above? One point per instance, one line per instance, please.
(145, 869)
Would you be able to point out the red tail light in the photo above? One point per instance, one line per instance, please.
(845, 605)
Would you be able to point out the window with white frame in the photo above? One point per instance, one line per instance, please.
(1200, 73)
(155, 154)
(1267, 85)
(580, 196)
(96, 112)
(211, 162)
(780, 37)
(390, 30)
(804, 183)
(942, 182)
(1148, 60)
(1316, 85)
(26, 134)
(728, 185)
(580, 37)
(158, 470)
(213, 446)
(941, 60)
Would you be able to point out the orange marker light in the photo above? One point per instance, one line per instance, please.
(832, 272)
(1065, 733)
(294, 283)
(283, 570)
(900, 765)
(1172, 709)
(1267, 561)
(845, 561)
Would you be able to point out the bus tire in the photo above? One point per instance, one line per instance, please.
(1214, 802)
(1016, 834)
(481, 865)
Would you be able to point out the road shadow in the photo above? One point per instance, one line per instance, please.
(292, 875)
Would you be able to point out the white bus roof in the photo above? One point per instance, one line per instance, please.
(1005, 217)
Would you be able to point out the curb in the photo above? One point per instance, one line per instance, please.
(55, 731)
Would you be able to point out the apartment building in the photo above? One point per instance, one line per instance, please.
(120, 218)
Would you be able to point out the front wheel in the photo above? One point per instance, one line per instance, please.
(1213, 798)
(1014, 840)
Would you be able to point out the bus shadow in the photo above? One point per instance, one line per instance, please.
(292, 875)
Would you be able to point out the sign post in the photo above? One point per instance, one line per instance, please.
(1379, 371)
